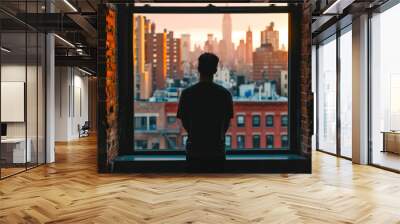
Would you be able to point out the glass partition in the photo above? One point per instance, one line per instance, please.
(15, 149)
(346, 93)
(22, 91)
(385, 89)
(327, 96)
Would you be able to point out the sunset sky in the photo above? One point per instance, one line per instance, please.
(199, 25)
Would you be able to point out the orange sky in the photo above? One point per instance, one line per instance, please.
(199, 25)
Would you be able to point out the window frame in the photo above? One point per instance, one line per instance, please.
(324, 38)
(259, 120)
(266, 120)
(294, 58)
(259, 141)
(240, 125)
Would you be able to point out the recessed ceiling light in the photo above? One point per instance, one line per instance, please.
(70, 5)
(64, 40)
(5, 50)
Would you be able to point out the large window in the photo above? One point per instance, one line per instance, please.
(253, 68)
(385, 89)
(327, 95)
(346, 93)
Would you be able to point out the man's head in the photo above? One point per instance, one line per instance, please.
(207, 67)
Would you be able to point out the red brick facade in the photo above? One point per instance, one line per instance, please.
(246, 109)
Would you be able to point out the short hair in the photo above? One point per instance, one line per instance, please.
(208, 63)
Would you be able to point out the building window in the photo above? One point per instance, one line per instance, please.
(270, 141)
(171, 142)
(152, 123)
(228, 141)
(269, 120)
(141, 144)
(141, 123)
(284, 141)
(171, 119)
(240, 142)
(284, 120)
(155, 145)
(256, 120)
(256, 141)
(240, 121)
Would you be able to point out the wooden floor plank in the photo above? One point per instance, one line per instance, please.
(71, 191)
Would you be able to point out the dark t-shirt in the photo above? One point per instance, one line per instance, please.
(205, 110)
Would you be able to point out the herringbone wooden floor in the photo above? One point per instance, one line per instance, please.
(71, 191)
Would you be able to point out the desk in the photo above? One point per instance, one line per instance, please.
(391, 141)
(13, 150)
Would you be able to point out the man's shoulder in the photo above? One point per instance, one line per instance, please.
(222, 89)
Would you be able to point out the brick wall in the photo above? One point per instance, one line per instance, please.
(305, 86)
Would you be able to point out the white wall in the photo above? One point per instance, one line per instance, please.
(33, 126)
(71, 102)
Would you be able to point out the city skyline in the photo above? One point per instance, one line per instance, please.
(199, 28)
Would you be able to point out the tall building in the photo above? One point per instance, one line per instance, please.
(268, 64)
(209, 44)
(227, 45)
(141, 26)
(249, 47)
(185, 53)
(270, 36)
(156, 55)
(241, 52)
(185, 47)
(174, 57)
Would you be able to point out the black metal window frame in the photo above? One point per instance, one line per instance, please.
(294, 58)
(331, 34)
(380, 9)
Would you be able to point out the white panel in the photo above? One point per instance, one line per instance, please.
(12, 101)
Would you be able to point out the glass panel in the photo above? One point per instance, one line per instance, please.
(14, 153)
(240, 142)
(385, 84)
(256, 141)
(270, 141)
(41, 98)
(256, 120)
(327, 96)
(253, 67)
(31, 97)
(346, 94)
(269, 120)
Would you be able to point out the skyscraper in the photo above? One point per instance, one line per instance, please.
(156, 55)
(270, 36)
(185, 51)
(241, 52)
(227, 52)
(249, 47)
(141, 26)
(174, 57)
(185, 46)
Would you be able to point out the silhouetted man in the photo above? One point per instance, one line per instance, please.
(205, 110)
